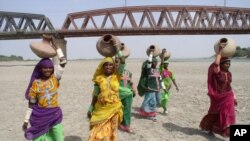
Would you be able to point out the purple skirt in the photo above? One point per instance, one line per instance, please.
(41, 120)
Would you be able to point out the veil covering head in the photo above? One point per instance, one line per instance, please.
(224, 59)
(37, 72)
(99, 69)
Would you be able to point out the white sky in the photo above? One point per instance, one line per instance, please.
(180, 46)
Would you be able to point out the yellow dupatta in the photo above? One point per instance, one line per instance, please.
(108, 103)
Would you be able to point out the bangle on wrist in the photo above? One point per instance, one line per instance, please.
(27, 115)
(59, 53)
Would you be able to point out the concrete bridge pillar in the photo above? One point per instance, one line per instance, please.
(63, 45)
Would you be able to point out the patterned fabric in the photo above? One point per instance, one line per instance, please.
(109, 88)
(126, 79)
(107, 113)
(125, 89)
(108, 102)
(148, 107)
(45, 92)
(126, 96)
(45, 113)
(167, 78)
(105, 131)
(153, 79)
(36, 74)
(149, 79)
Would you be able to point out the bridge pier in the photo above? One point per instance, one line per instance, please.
(63, 45)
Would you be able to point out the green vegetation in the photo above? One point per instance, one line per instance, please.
(11, 58)
(242, 52)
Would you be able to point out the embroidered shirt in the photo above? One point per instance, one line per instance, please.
(45, 92)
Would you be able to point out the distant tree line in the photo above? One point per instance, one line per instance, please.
(11, 58)
(242, 52)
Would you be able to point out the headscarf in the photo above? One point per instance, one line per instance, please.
(108, 103)
(99, 69)
(224, 59)
(37, 73)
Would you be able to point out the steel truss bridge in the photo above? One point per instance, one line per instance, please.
(135, 20)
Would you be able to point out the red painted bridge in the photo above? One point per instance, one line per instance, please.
(135, 20)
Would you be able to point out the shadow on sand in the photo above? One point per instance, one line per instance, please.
(190, 131)
(72, 138)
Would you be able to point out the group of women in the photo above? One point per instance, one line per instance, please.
(154, 85)
(112, 96)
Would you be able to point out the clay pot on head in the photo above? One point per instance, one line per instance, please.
(125, 50)
(228, 50)
(105, 45)
(43, 49)
(157, 50)
(166, 55)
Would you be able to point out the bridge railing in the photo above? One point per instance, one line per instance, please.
(160, 17)
(135, 20)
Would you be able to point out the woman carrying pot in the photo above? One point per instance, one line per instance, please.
(150, 84)
(221, 113)
(167, 77)
(44, 113)
(105, 111)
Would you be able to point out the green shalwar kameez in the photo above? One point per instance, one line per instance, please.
(167, 77)
(126, 96)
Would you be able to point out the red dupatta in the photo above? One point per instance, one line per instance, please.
(222, 102)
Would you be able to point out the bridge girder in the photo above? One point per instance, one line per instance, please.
(137, 20)
(14, 25)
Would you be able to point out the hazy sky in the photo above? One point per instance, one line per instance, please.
(180, 46)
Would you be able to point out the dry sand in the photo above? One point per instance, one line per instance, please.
(186, 108)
